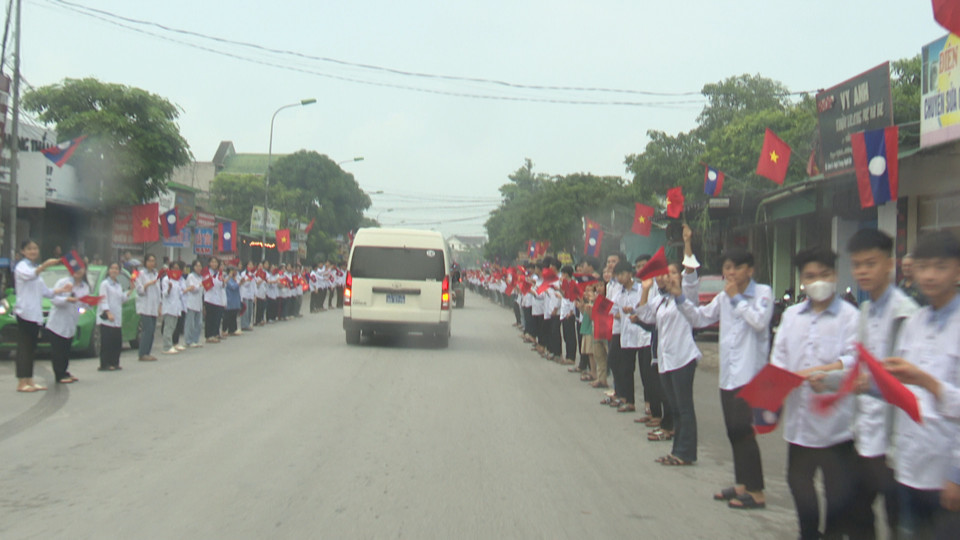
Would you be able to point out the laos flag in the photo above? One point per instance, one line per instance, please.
(712, 182)
(227, 237)
(875, 160)
(169, 223)
(592, 238)
(61, 153)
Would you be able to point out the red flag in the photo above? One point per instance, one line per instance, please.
(893, 391)
(656, 266)
(175, 274)
(283, 240)
(713, 181)
(602, 318)
(947, 13)
(583, 280)
(770, 387)
(90, 300)
(510, 275)
(643, 218)
(309, 226)
(542, 248)
(675, 202)
(549, 278)
(824, 403)
(570, 289)
(145, 223)
(774, 158)
(207, 282)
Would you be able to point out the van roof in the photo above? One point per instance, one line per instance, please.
(378, 232)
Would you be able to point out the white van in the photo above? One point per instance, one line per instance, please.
(398, 281)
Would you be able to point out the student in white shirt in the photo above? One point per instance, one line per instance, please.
(261, 295)
(881, 317)
(214, 302)
(568, 320)
(31, 290)
(632, 337)
(614, 290)
(677, 355)
(193, 302)
(62, 322)
(816, 336)
(171, 305)
(248, 295)
(927, 359)
(147, 286)
(110, 319)
(744, 310)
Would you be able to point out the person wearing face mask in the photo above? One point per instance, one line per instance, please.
(677, 355)
(818, 335)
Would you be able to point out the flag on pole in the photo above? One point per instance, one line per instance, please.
(583, 280)
(769, 388)
(876, 162)
(656, 266)
(542, 248)
(712, 182)
(72, 261)
(593, 239)
(283, 240)
(893, 391)
(310, 226)
(550, 278)
(602, 318)
(227, 237)
(675, 202)
(642, 219)
(145, 226)
(62, 153)
(774, 158)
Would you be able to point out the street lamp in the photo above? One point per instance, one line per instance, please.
(387, 211)
(358, 158)
(266, 195)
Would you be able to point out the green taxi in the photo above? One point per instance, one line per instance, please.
(87, 339)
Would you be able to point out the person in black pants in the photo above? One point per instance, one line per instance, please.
(29, 311)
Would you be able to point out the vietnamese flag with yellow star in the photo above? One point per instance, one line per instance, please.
(146, 220)
(774, 158)
(675, 202)
(283, 240)
(642, 219)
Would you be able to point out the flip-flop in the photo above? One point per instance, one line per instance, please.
(659, 435)
(726, 494)
(677, 462)
(747, 502)
(28, 389)
(663, 459)
(643, 419)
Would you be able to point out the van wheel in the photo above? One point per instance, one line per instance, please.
(353, 337)
(93, 350)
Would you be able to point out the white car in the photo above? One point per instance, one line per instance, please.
(398, 282)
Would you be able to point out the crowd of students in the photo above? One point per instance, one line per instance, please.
(865, 449)
(209, 299)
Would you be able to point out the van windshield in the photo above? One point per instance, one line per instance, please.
(397, 263)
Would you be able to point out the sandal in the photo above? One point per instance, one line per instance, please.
(653, 422)
(663, 459)
(674, 461)
(598, 384)
(643, 419)
(606, 401)
(659, 435)
(627, 408)
(726, 494)
(586, 377)
(746, 502)
(575, 369)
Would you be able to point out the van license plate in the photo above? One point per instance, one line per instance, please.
(396, 299)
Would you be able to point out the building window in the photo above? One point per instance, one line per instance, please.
(939, 213)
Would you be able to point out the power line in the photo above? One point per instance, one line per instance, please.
(109, 18)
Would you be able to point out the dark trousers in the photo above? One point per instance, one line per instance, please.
(111, 343)
(528, 321)
(340, 296)
(516, 313)
(27, 338)
(570, 336)
(273, 307)
(230, 320)
(650, 379)
(314, 296)
(625, 365)
(738, 417)
(554, 342)
(922, 517)
(538, 329)
(873, 477)
(178, 331)
(261, 310)
(212, 322)
(59, 355)
(837, 464)
(323, 298)
(613, 364)
(678, 387)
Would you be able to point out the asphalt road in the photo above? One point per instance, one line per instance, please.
(289, 433)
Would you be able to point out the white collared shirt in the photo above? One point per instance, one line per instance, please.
(248, 286)
(929, 453)
(171, 296)
(148, 298)
(31, 290)
(876, 328)
(632, 336)
(613, 293)
(808, 339)
(64, 314)
(744, 330)
(193, 300)
(675, 345)
(216, 295)
(111, 299)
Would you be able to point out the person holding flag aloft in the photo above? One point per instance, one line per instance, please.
(744, 310)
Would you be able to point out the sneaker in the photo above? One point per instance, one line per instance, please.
(171, 350)
(238, 333)
(179, 347)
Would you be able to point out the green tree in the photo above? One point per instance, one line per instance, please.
(235, 195)
(905, 90)
(133, 142)
(735, 96)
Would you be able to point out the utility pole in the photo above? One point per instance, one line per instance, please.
(15, 138)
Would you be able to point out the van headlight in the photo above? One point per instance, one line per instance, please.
(4, 307)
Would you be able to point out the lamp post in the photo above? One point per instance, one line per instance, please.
(388, 210)
(266, 194)
(358, 158)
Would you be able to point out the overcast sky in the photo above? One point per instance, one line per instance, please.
(452, 152)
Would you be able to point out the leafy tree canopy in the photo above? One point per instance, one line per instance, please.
(133, 142)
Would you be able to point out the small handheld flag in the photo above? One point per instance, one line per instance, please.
(207, 282)
(62, 153)
(90, 300)
(602, 319)
(642, 219)
(675, 202)
(72, 261)
(765, 421)
(712, 182)
(656, 266)
(770, 387)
